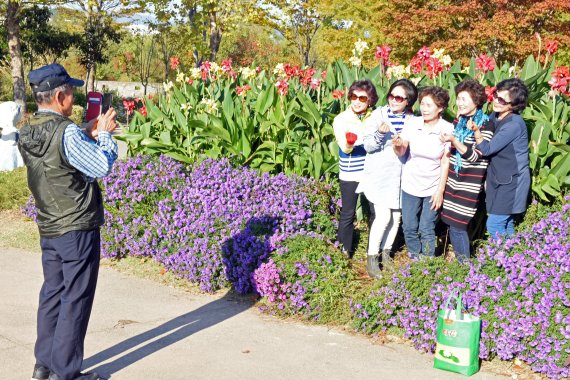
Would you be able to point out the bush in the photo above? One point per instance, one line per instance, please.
(187, 217)
(307, 277)
(14, 190)
(520, 287)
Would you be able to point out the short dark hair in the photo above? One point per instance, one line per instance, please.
(475, 90)
(410, 89)
(364, 85)
(45, 97)
(439, 95)
(517, 91)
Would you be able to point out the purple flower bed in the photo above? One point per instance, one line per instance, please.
(520, 287)
(209, 223)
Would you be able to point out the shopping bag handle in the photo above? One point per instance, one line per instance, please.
(458, 307)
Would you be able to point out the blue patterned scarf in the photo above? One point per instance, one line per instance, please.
(461, 132)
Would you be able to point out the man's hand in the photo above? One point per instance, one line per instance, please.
(436, 201)
(106, 122)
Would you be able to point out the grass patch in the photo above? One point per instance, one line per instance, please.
(14, 190)
(17, 231)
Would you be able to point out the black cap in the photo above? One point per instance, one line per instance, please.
(48, 77)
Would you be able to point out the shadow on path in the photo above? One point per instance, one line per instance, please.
(176, 330)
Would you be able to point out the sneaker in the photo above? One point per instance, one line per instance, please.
(82, 376)
(40, 372)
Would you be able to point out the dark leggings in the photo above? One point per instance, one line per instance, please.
(346, 223)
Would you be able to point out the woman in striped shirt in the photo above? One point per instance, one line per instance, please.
(381, 180)
(467, 167)
(349, 131)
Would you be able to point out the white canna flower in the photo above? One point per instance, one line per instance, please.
(397, 72)
(360, 46)
(438, 53)
(180, 77)
(196, 73)
(247, 73)
(355, 61)
(446, 60)
(416, 80)
(210, 105)
(215, 68)
(279, 70)
(168, 86)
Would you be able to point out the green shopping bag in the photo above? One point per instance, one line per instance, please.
(458, 333)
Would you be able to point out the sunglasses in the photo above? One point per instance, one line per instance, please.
(396, 98)
(500, 100)
(362, 98)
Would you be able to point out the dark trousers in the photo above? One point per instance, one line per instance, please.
(70, 265)
(349, 198)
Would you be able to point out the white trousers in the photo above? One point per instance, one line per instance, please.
(384, 229)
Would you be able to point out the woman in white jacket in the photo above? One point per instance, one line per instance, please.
(349, 131)
(383, 171)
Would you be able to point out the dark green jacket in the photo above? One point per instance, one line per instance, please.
(64, 199)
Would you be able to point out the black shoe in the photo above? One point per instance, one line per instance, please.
(387, 262)
(82, 376)
(373, 267)
(40, 372)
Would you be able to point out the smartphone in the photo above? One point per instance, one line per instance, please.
(106, 103)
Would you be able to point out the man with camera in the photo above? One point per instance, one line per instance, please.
(63, 165)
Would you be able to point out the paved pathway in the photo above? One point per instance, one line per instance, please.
(143, 330)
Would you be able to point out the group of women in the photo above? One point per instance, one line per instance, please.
(420, 168)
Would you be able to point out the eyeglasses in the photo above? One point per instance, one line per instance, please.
(396, 98)
(500, 100)
(362, 98)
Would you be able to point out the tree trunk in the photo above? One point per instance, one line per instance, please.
(13, 32)
(215, 37)
(91, 78)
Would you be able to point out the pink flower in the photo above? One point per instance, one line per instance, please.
(315, 83)
(424, 52)
(282, 87)
(383, 54)
(242, 90)
(551, 47)
(490, 92)
(324, 74)
(484, 63)
(189, 81)
(337, 94)
(142, 111)
(174, 62)
(227, 65)
(258, 69)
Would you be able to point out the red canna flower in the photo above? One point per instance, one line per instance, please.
(484, 63)
(174, 62)
(189, 80)
(560, 80)
(416, 64)
(490, 92)
(337, 94)
(551, 47)
(383, 54)
(129, 106)
(242, 90)
(433, 67)
(282, 87)
(142, 111)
